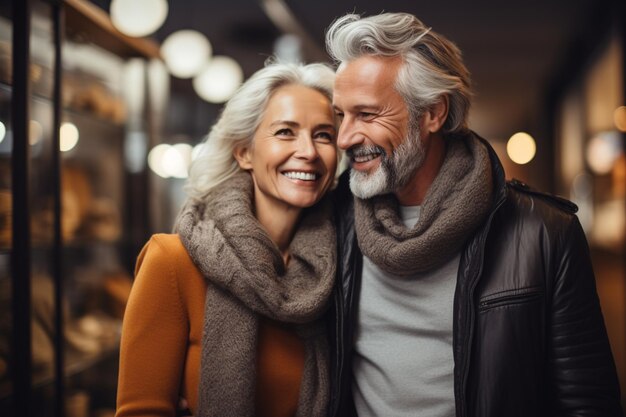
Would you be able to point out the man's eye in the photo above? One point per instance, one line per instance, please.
(365, 115)
(339, 115)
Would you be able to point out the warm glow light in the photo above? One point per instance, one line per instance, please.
(185, 150)
(170, 160)
(69, 136)
(619, 117)
(521, 148)
(35, 132)
(3, 131)
(602, 152)
(185, 52)
(155, 160)
(219, 79)
(138, 17)
(174, 163)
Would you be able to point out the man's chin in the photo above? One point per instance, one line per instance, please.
(367, 185)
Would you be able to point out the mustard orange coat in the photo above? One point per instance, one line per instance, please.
(162, 335)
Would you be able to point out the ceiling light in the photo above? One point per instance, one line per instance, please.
(138, 17)
(521, 148)
(185, 150)
(3, 131)
(155, 160)
(170, 161)
(219, 79)
(69, 136)
(185, 52)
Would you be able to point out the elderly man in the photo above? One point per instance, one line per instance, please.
(458, 294)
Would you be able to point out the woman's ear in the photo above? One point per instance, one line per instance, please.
(436, 115)
(243, 157)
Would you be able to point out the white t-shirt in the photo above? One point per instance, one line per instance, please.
(403, 363)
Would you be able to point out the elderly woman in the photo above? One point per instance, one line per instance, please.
(227, 312)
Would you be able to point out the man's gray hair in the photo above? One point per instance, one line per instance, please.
(241, 118)
(432, 64)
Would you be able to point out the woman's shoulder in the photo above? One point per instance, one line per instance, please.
(166, 252)
(168, 242)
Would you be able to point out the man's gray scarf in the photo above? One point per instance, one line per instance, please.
(247, 279)
(456, 203)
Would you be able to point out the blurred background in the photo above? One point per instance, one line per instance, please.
(103, 105)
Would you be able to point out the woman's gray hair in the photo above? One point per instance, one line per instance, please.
(241, 117)
(432, 64)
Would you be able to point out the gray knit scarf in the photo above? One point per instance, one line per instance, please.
(247, 279)
(456, 203)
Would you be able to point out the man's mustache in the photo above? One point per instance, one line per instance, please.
(365, 150)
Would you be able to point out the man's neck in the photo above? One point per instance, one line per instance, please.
(414, 192)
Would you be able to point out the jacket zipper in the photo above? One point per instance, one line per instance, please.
(339, 352)
(506, 299)
(470, 315)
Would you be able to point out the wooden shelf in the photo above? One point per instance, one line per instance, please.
(88, 22)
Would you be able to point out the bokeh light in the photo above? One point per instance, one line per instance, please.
(69, 136)
(602, 152)
(219, 79)
(138, 17)
(521, 148)
(185, 53)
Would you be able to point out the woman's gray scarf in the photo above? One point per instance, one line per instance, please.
(456, 203)
(247, 278)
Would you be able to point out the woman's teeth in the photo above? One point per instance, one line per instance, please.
(305, 176)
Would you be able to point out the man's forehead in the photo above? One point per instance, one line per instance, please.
(365, 79)
(368, 69)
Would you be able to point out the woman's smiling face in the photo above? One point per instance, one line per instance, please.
(293, 155)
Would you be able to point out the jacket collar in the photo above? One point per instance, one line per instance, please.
(499, 181)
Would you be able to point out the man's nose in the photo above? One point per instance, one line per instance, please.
(347, 137)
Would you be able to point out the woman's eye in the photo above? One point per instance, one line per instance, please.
(325, 136)
(284, 132)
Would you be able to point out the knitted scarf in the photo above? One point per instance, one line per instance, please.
(247, 278)
(456, 203)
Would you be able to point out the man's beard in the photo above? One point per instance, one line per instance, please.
(394, 171)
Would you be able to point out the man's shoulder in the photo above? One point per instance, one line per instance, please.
(523, 194)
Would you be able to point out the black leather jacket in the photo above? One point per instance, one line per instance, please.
(528, 335)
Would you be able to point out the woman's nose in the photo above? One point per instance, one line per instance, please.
(306, 148)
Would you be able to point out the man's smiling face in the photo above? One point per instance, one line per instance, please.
(381, 141)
